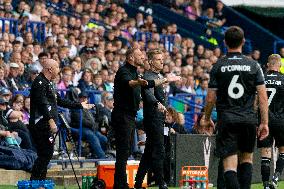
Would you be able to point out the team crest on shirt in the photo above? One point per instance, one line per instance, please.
(51, 139)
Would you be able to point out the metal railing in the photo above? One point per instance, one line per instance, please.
(168, 40)
(276, 46)
(188, 104)
(36, 28)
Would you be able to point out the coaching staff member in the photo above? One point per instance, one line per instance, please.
(127, 92)
(275, 90)
(43, 117)
(154, 116)
(234, 80)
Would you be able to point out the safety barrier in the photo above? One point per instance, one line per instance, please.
(168, 40)
(188, 104)
(277, 45)
(37, 28)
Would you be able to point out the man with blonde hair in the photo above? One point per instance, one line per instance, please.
(154, 116)
(274, 81)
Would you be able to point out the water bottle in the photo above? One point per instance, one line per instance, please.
(23, 184)
(191, 182)
(90, 179)
(84, 181)
(197, 183)
(48, 184)
(203, 183)
(186, 181)
(10, 141)
(35, 184)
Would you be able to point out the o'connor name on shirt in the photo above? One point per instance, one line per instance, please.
(231, 68)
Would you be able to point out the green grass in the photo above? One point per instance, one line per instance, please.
(254, 186)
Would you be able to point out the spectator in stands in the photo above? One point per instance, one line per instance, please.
(202, 89)
(35, 15)
(86, 83)
(139, 19)
(26, 110)
(94, 65)
(5, 94)
(2, 49)
(15, 118)
(16, 57)
(31, 75)
(194, 10)
(3, 108)
(12, 80)
(188, 86)
(28, 38)
(14, 114)
(212, 21)
(4, 132)
(217, 52)
(63, 57)
(208, 37)
(219, 13)
(76, 66)
(3, 82)
(90, 132)
(255, 55)
(281, 52)
(174, 121)
(105, 80)
(198, 128)
(199, 53)
(104, 110)
(66, 80)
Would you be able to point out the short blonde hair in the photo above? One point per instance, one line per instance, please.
(274, 59)
(152, 53)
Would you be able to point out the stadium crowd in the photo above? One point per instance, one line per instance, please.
(90, 47)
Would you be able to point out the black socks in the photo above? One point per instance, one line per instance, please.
(231, 180)
(265, 169)
(245, 175)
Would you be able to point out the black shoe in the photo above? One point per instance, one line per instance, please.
(138, 186)
(274, 182)
(121, 187)
(163, 186)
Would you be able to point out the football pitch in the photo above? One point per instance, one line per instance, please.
(254, 186)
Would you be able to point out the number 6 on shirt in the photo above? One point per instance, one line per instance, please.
(234, 85)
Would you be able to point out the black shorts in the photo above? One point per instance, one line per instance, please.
(276, 132)
(232, 138)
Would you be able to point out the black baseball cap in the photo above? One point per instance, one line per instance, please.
(3, 101)
(5, 91)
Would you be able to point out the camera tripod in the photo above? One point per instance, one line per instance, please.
(65, 128)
